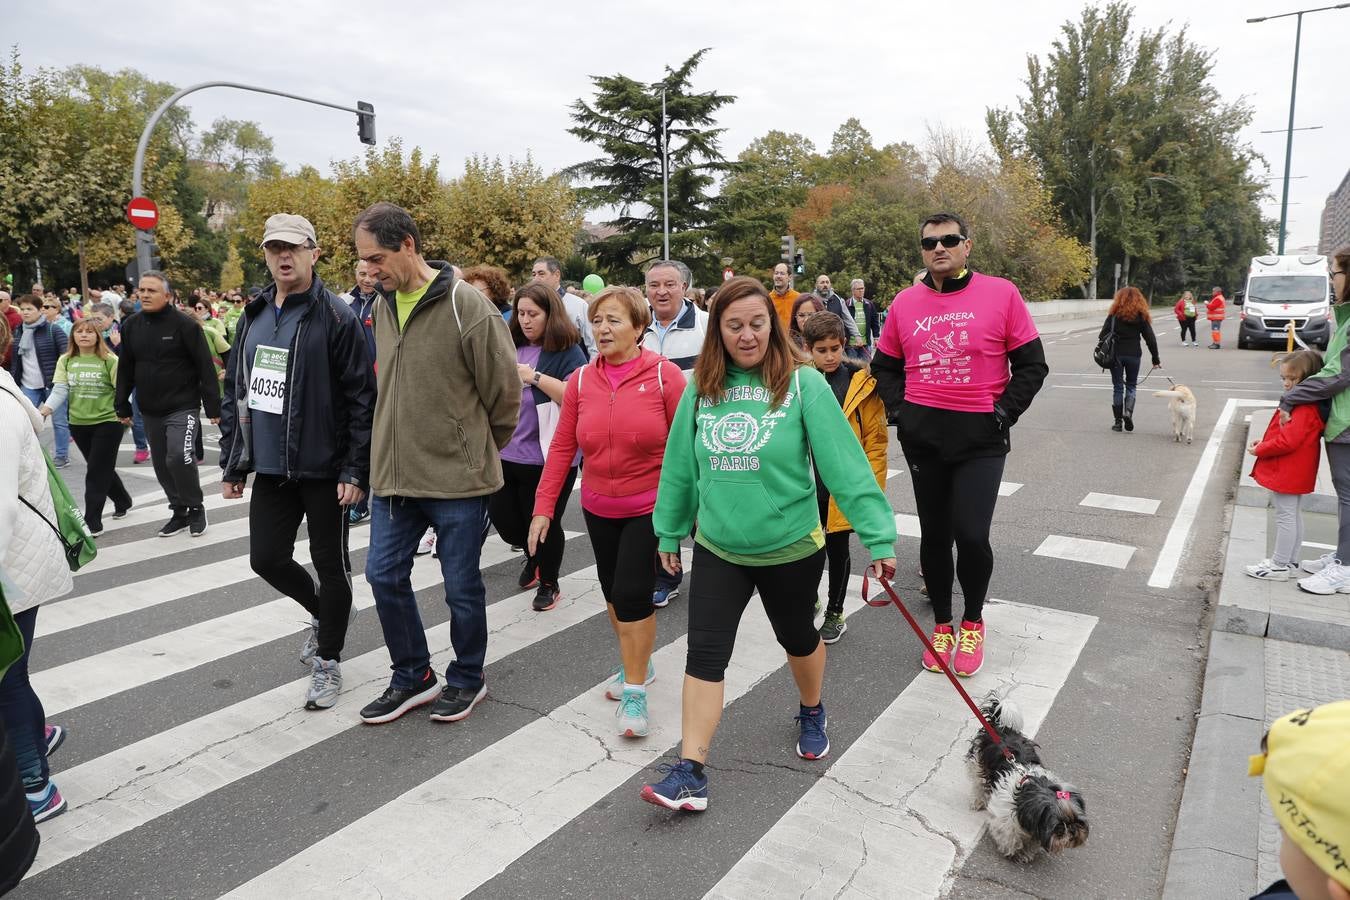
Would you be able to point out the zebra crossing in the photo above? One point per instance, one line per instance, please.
(201, 774)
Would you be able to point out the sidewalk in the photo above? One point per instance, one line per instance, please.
(1274, 649)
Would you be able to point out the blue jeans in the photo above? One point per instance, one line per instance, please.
(396, 526)
(21, 712)
(138, 426)
(60, 421)
(1124, 376)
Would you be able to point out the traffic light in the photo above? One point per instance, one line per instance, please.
(789, 246)
(365, 122)
(799, 263)
(133, 271)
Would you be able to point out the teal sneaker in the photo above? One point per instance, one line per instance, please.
(615, 689)
(632, 714)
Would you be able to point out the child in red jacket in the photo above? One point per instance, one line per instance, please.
(1286, 464)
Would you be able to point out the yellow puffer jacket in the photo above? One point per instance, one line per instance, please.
(867, 415)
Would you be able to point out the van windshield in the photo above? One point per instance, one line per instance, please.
(1287, 289)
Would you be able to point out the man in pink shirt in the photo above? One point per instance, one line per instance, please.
(958, 362)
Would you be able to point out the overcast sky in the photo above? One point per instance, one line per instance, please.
(496, 78)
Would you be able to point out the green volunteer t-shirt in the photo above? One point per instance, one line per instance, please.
(406, 302)
(93, 386)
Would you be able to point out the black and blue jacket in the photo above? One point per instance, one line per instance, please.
(330, 395)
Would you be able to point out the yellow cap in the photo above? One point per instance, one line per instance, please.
(1306, 765)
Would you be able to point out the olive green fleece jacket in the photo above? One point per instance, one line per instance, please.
(742, 468)
(448, 394)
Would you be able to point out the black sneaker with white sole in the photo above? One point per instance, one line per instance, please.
(177, 523)
(197, 521)
(456, 703)
(394, 702)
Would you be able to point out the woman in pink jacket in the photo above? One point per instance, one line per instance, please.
(618, 411)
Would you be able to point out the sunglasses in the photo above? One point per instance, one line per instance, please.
(947, 240)
(49, 306)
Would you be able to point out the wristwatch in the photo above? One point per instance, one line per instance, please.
(536, 377)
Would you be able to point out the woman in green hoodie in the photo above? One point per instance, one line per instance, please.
(739, 460)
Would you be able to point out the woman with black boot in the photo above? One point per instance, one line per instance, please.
(1129, 313)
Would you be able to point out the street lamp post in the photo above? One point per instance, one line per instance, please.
(665, 180)
(1293, 95)
(365, 122)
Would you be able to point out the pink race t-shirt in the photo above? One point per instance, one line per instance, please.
(955, 346)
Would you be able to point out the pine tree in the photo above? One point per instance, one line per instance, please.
(624, 122)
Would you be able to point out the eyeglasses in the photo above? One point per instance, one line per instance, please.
(947, 240)
(279, 247)
(1335, 272)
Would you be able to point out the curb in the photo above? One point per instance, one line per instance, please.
(1276, 610)
(1217, 836)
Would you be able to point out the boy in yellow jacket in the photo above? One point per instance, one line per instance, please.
(856, 391)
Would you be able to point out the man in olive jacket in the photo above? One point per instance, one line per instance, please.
(447, 400)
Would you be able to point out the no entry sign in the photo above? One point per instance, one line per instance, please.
(143, 213)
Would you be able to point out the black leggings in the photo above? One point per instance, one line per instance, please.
(512, 507)
(624, 550)
(273, 521)
(99, 443)
(1187, 325)
(836, 554)
(719, 592)
(956, 504)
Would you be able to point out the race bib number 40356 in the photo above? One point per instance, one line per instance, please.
(267, 383)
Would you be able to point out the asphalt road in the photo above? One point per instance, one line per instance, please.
(192, 772)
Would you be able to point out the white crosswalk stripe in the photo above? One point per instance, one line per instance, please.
(141, 782)
(104, 674)
(491, 808)
(119, 601)
(875, 795)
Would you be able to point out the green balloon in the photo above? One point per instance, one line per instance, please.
(593, 284)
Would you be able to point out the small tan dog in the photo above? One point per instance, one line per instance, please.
(1181, 403)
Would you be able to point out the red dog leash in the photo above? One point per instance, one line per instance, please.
(893, 597)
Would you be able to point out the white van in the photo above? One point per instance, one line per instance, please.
(1281, 289)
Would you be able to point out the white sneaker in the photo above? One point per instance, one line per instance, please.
(1313, 566)
(1266, 570)
(324, 685)
(428, 542)
(1334, 578)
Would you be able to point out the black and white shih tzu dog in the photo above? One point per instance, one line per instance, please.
(1029, 806)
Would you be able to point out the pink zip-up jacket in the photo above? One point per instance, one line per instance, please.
(621, 433)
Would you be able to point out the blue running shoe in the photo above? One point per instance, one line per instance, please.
(661, 597)
(46, 803)
(813, 743)
(55, 736)
(680, 789)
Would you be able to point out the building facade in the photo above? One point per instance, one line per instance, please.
(1336, 218)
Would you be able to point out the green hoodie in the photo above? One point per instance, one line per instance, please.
(1332, 382)
(743, 470)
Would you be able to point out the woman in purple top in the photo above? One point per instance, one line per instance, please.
(548, 350)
